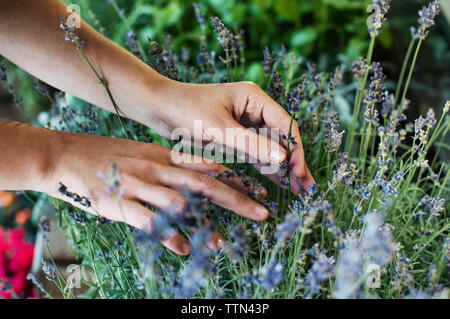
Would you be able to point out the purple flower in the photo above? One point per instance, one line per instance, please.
(376, 93)
(238, 247)
(382, 8)
(426, 20)
(276, 90)
(333, 138)
(376, 240)
(359, 68)
(226, 38)
(268, 62)
(271, 274)
(70, 32)
(402, 277)
(322, 269)
(199, 15)
(287, 228)
(131, 40)
(349, 269)
(112, 181)
(435, 204)
(335, 81)
(44, 227)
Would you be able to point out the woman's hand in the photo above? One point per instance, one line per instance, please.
(236, 107)
(148, 176)
(37, 45)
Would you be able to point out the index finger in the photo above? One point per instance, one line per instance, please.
(275, 117)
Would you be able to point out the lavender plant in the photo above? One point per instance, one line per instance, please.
(376, 226)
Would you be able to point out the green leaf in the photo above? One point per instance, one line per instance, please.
(255, 72)
(303, 37)
(288, 9)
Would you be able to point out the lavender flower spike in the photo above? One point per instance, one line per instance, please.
(426, 20)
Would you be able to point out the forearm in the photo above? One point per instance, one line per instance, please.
(26, 157)
(31, 38)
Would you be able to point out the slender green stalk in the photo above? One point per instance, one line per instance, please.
(94, 266)
(411, 70)
(103, 83)
(227, 57)
(94, 232)
(359, 96)
(403, 70)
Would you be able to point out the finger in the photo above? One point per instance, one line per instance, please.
(276, 117)
(142, 218)
(156, 195)
(166, 198)
(215, 241)
(216, 191)
(275, 177)
(258, 147)
(210, 167)
(307, 181)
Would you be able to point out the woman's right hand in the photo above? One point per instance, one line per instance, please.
(149, 175)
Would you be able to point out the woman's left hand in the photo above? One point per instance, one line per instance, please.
(234, 108)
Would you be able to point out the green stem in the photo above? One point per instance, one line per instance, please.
(413, 64)
(94, 266)
(359, 96)
(227, 56)
(103, 83)
(403, 70)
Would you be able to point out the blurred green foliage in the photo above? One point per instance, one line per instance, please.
(329, 27)
(327, 32)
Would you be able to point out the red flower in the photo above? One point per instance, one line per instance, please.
(16, 257)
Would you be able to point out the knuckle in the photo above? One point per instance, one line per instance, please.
(205, 181)
(214, 167)
(151, 166)
(250, 85)
(242, 199)
(128, 178)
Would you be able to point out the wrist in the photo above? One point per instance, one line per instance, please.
(27, 158)
(157, 102)
(47, 157)
(144, 99)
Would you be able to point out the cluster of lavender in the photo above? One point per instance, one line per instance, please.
(376, 94)
(230, 42)
(275, 86)
(9, 86)
(426, 19)
(71, 32)
(376, 22)
(62, 189)
(112, 182)
(378, 216)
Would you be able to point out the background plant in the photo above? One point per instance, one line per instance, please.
(380, 199)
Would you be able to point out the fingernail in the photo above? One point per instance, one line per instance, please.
(277, 156)
(220, 243)
(186, 248)
(262, 191)
(262, 212)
